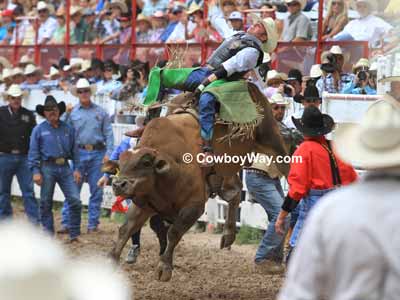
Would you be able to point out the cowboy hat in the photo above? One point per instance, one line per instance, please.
(313, 122)
(394, 73)
(375, 142)
(85, 66)
(4, 62)
(83, 83)
(270, 28)
(278, 99)
(362, 63)
(302, 3)
(49, 103)
(74, 62)
(273, 76)
(372, 4)
(25, 59)
(315, 71)
(30, 69)
(7, 73)
(74, 10)
(14, 91)
(53, 72)
(143, 18)
(17, 71)
(120, 4)
(193, 8)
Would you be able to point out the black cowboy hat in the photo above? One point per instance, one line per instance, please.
(50, 102)
(311, 93)
(313, 122)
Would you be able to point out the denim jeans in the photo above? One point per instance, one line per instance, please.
(269, 194)
(62, 175)
(207, 102)
(90, 168)
(307, 204)
(10, 165)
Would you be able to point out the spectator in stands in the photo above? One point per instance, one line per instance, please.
(7, 27)
(295, 79)
(367, 28)
(159, 22)
(52, 79)
(297, 26)
(333, 79)
(98, 68)
(174, 15)
(360, 84)
(149, 7)
(132, 82)
(109, 83)
(236, 21)
(316, 174)
(47, 24)
(335, 20)
(118, 7)
(48, 161)
(95, 146)
(20, 27)
(328, 262)
(33, 78)
(16, 124)
(144, 29)
(18, 76)
(125, 38)
(59, 33)
(80, 26)
(93, 29)
(25, 60)
(109, 21)
(263, 184)
(227, 7)
(178, 34)
(6, 75)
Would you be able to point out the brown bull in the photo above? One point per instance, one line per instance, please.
(155, 176)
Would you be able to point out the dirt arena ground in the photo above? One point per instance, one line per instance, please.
(201, 269)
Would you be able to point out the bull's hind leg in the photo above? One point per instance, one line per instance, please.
(230, 192)
(186, 218)
(135, 219)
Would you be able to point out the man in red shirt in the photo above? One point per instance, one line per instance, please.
(317, 172)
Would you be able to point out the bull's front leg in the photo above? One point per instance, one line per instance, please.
(230, 192)
(186, 218)
(135, 219)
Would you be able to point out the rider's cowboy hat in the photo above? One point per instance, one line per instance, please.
(375, 142)
(313, 122)
(302, 3)
(120, 4)
(83, 83)
(270, 28)
(49, 103)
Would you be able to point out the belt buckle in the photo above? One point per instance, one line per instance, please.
(15, 152)
(89, 147)
(60, 161)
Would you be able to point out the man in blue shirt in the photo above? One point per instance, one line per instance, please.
(95, 140)
(52, 144)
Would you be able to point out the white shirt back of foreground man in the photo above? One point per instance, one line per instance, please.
(350, 246)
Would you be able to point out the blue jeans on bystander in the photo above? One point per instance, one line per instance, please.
(17, 164)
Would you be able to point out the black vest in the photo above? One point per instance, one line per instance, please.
(233, 45)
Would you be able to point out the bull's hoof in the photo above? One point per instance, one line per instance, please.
(164, 272)
(227, 240)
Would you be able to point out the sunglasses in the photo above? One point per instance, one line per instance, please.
(83, 91)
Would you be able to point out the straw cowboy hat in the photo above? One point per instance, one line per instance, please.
(74, 10)
(394, 76)
(313, 122)
(46, 273)
(278, 99)
(193, 8)
(53, 72)
(274, 77)
(375, 142)
(4, 62)
(373, 4)
(270, 28)
(143, 18)
(49, 103)
(362, 63)
(83, 83)
(120, 4)
(303, 3)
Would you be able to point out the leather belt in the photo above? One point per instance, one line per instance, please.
(91, 147)
(60, 161)
(257, 171)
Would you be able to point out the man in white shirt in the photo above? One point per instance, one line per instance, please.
(367, 28)
(47, 24)
(349, 248)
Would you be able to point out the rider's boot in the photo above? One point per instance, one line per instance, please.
(208, 160)
(135, 133)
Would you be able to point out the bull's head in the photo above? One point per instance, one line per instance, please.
(138, 171)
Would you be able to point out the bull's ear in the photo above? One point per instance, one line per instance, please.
(161, 166)
(110, 167)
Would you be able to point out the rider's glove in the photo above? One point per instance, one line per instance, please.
(201, 87)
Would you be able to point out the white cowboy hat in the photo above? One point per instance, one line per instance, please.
(74, 62)
(25, 59)
(29, 69)
(120, 4)
(83, 83)
(362, 62)
(303, 3)
(53, 72)
(14, 91)
(375, 143)
(17, 71)
(4, 62)
(315, 71)
(86, 65)
(6, 73)
(74, 10)
(193, 8)
(41, 5)
(394, 75)
(335, 49)
(270, 28)
(274, 75)
(277, 98)
(373, 4)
